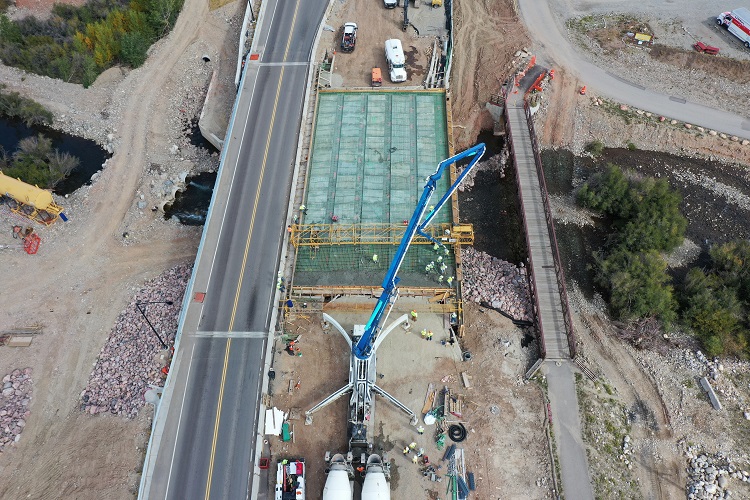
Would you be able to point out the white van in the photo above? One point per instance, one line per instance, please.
(394, 55)
(390, 4)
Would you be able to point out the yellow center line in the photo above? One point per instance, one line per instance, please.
(244, 259)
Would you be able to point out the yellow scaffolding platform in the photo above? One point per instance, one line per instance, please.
(315, 235)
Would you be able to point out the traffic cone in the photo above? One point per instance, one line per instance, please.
(583, 90)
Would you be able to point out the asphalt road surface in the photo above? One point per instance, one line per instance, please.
(207, 447)
(548, 31)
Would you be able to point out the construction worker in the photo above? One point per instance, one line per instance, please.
(440, 278)
(420, 452)
(424, 333)
(414, 315)
(449, 280)
(375, 258)
(289, 229)
(446, 251)
(440, 258)
(443, 267)
(415, 459)
(303, 209)
(420, 430)
(429, 335)
(435, 247)
(406, 450)
(412, 445)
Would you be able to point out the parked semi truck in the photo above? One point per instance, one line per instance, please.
(738, 24)
(394, 55)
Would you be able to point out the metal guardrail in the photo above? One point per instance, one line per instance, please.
(553, 237)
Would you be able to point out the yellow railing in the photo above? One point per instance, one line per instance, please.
(314, 235)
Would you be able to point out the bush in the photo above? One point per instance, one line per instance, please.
(37, 163)
(713, 301)
(631, 146)
(595, 147)
(77, 43)
(12, 105)
(639, 285)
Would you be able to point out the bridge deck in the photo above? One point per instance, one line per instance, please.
(550, 314)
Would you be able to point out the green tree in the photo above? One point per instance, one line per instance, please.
(638, 284)
(133, 49)
(607, 192)
(656, 221)
(732, 262)
(714, 313)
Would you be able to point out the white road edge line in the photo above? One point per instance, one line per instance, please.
(239, 148)
(179, 422)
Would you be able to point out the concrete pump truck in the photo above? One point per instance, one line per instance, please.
(364, 343)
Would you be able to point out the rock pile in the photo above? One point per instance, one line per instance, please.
(708, 475)
(501, 284)
(495, 163)
(130, 360)
(14, 406)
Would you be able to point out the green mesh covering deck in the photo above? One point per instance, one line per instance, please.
(371, 154)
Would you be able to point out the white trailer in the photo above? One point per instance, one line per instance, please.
(737, 22)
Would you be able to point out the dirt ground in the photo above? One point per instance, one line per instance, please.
(506, 448)
(376, 25)
(86, 272)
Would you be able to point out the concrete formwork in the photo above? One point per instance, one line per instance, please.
(371, 154)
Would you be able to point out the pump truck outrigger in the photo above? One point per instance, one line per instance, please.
(364, 344)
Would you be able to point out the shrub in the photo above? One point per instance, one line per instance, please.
(36, 162)
(77, 43)
(595, 147)
(12, 105)
(638, 285)
(631, 146)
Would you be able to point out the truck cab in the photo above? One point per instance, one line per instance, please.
(390, 4)
(394, 55)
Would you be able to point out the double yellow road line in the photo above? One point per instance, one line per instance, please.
(244, 259)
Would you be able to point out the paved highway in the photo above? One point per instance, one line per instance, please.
(547, 29)
(205, 446)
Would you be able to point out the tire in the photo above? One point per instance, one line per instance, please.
(719, 22)
(747, 45)
(457, 433)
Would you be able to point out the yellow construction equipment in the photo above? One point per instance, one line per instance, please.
(30, 201)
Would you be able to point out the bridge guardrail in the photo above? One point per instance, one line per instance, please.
(553, 237)
(530, 274)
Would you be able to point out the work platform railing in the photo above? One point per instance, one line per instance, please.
(314, 235)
